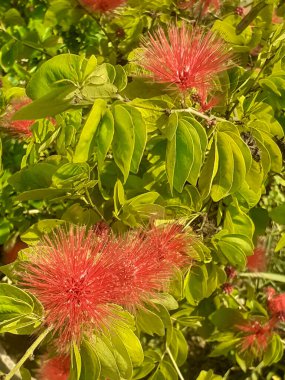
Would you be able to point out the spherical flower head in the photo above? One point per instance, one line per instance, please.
(256, 336)
(257, 261)
(147, 261)
(18, 128)
(102, 5)
(276, 304)
(202, 6)
(70, 275)
(56, 368)
(184, 58)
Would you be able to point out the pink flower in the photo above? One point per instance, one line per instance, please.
(78, 276)
(186, 59)
(202, 5)
(56, 368)
(102, 5)
(147, 261)
(276, 304)
(257, 262)
(70, 275)
(18, 128)
(256, 337)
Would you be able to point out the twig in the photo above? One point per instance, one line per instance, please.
(197, 113)
(174, 363)
(28, 353)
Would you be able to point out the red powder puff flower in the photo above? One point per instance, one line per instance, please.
(55, 369)
(276, 304)
(147, 262)
(78, 276)
(187, 59)
(70, 275)
(256, 337)
(257, 262)
(18, 128)
(102, 5)
(202, 5)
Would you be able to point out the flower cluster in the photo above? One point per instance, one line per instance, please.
(256, 336)
(18, 128)
(276, 304)
(102, 5)
(78, 276)
(190, 60)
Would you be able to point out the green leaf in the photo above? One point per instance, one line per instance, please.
(234, 247)
(16, 293)
(11, 307)
(56, 101)
(121, 355)
(168, 371)
(180, 156)
(34, 177)
(238, 222)
(179, 347)
(266, 276)
(140, 134)
(83, 150)
(149, 322)
(21, 325)
(132, 344)
(278, 214)
(209, 375)
(41, 194)
(25, 374)
(39, 229)
(124, 139)
(76, 363)
(169, 129)
(107, 360)
(90, 362)
(281, 243)
(274, 351)
(121, 79)
(209, 170)
(104, 137)
(223, 180)
(234, 255)
(144, 369)
(200, 148)
(225, 347)
(119, 197)
(226, 318)
(71, 175)
(58, 71)
(5, 227)
(196, 285)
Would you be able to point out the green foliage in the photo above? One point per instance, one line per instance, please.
(110, 145)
